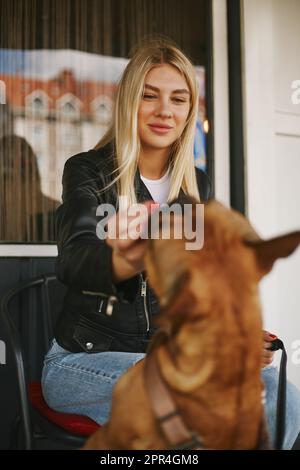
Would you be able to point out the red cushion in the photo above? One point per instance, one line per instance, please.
(75, 424)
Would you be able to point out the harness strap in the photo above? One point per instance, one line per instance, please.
(169, 418)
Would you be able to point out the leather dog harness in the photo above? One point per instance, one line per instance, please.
(171, 423)
(167, 414)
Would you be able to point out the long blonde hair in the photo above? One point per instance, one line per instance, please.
(124, 128)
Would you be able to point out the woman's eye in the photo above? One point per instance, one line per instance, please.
(149, 97)
(179, 100)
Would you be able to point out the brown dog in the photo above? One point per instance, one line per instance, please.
(209, 361)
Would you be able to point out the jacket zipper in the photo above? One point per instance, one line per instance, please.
(144, 296)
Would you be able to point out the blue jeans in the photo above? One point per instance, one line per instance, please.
(82, 383)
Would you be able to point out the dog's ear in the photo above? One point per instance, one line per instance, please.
(268, 251)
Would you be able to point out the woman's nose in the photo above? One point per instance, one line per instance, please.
(163, 109)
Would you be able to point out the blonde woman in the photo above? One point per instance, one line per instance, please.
(146, 156)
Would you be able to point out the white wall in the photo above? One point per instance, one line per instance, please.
(271, 36)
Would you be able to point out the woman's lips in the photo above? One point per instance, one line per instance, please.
(160, 129)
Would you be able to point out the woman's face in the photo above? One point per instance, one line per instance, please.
(164, 107)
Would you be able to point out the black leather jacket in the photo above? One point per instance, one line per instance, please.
(84, 264)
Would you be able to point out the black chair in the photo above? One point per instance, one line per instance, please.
(34, 417)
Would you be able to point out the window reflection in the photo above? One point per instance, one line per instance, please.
(26, 214)
(59, 68)
(62, 109)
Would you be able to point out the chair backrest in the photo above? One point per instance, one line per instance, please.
(28, 311)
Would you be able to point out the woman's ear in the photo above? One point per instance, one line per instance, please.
(268, 251)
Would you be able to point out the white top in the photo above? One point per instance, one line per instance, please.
(159, 189)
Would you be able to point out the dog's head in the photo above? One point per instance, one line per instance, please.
(215, 287)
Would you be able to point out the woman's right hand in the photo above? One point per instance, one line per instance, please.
(128, 250)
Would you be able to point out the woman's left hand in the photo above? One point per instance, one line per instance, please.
(267, 355)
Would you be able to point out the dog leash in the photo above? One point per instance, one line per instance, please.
(281, 394)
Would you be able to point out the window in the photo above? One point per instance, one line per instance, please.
(68, 107)
(102, 109)
(36, 102)
(69, 136)
(60, 63)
